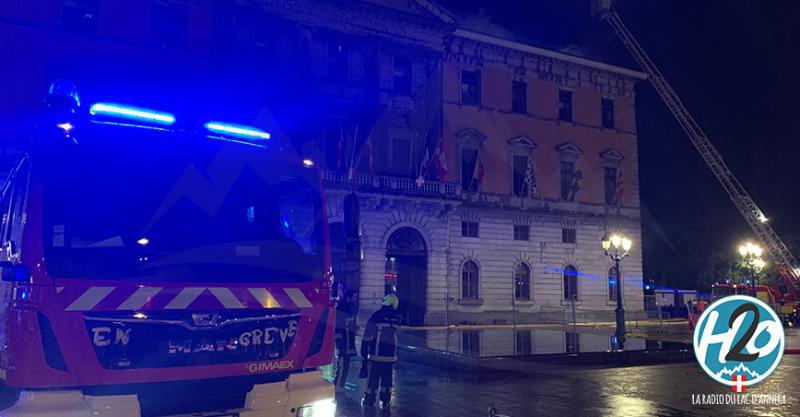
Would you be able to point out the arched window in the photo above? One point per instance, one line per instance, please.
(612, 284)
(570, 283)
(522, 282)
(469, 280)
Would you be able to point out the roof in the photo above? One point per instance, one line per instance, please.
(414, 7)
(480, 37)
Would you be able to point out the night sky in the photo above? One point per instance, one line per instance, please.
(735, 66)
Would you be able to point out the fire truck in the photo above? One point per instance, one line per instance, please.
(157, 265)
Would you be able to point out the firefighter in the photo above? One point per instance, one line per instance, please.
(346, 327)
(379, 349)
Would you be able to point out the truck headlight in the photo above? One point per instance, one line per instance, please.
(322, 408)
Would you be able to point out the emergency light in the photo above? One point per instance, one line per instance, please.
(234, 130)
(118, 111)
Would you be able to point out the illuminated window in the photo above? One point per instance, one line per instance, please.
(522, 282)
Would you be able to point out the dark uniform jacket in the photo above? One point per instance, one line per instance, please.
(380, 336)
(346, 329)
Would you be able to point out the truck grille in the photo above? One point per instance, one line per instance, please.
(169, 339)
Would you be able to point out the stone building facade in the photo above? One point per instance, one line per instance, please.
(476, 245)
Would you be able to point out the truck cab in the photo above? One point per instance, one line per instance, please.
(154, 266)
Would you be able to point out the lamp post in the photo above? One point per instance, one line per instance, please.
(617, 248)
(751, 257)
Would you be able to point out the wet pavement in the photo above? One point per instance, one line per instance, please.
(658, 390)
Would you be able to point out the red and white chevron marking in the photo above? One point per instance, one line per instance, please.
(116, 298)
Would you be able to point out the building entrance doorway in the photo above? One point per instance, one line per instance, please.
(407, 273)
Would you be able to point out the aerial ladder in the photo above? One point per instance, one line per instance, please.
(786, 265)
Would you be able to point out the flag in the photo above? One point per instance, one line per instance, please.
(479, 172)
(351, 170)
(530, 186)
(438, 162)
(618, 192)
(575, 187)
(423, 168)
(340, 150)
(368, 151)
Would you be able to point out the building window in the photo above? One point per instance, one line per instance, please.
(469, 280)
(522, 232)
(401, 156)
(607, 108)
(570, 283)
(337, 60)
(519, 97)
(569, 235)
(572, 342)
(469, 229)
(169, 25)
(524, 342)
(519, 171)
(522, 282)
(612, 284)
(471, 88)
(471, 342)
(402, 75)
(79, 16)
(469, 157)
(567, 178)
(610, 184)
(565, 105)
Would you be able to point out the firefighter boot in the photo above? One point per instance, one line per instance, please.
(386, 397)
(368, 400)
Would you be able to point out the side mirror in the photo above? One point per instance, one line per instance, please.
(14, 273)
(6, 271)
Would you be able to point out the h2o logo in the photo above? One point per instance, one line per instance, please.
(739, 341)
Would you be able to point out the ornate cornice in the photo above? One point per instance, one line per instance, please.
(360, 18)
(521, 63)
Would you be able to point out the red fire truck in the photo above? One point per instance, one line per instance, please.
(153, 266)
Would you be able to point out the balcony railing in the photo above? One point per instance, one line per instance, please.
(408, 186)
(389, 184)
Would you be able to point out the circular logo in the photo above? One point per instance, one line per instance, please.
(739, 341)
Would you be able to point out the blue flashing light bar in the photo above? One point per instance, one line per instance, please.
(240, 131)
(132, 113)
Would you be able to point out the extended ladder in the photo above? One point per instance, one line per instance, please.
(786, 264)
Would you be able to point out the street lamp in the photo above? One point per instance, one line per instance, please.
(617, 248)
(751, 255)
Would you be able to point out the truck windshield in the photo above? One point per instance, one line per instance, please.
(215, 211)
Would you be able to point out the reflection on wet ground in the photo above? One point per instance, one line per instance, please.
(529, 350)
(658, 390)
(492, 342)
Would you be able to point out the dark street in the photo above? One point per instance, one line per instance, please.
(660, 390)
